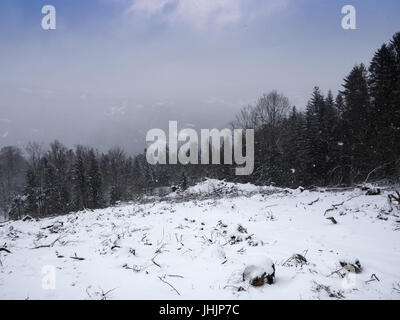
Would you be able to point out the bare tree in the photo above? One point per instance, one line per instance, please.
(12, 167)
(271, 109)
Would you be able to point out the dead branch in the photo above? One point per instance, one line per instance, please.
(313, 202)
(87, 291)
(134, 268)
(104, 294)
(335, 206)
(296, 259)
(373, 278)
(332, 219)
(239, 289)
(175, 276)
(393, 197)
(154, 261)
(77, 258)
(337, 272)
(48, 245)
(376, 169)
(5, 250)
(27, 218)
(158, 251)
(169, 285)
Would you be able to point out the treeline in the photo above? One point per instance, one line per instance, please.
(351, 138)
(340, 140)
(59, 180)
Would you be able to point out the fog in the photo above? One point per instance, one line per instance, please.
(114, 69)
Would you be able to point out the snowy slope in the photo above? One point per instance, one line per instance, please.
(199, 248)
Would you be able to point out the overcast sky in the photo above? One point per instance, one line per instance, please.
(114, 68)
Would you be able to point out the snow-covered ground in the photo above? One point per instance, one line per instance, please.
(198, 248)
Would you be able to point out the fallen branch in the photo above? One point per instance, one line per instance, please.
(373, 278)
(335, 206)
(26, 218)
(239, 289)
(373, 171)
(393, 197)
(104, 294)
(48, 245)
(296, 259)
(337, 272)
(154, 261)
(332, 219)
(158, 251)
(313, 202)
(169, 285)
(77, 258)
(5, 250)
(134, 268)
(175, 276)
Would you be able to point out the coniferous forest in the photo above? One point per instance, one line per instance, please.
(342, 140)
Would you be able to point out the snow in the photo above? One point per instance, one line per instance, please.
(211, 187)
(199, 248)
(257, 267)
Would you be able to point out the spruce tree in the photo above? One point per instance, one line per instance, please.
(31, 193)
(50, 190)
(95, 193)
(384, 117)
(80, 187)
(354, 126)
(315, 146)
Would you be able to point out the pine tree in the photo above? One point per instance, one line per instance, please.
(329, 124)
(18, 207)
(384, 117)
(339, 105)
(59, 158)
(115, 194)
(50, 192)
(31, 193)
(291, 163)
(95, 193)
(354, 125)
(184, 182)
(80, 187)
(395, 47)
(315, 146)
